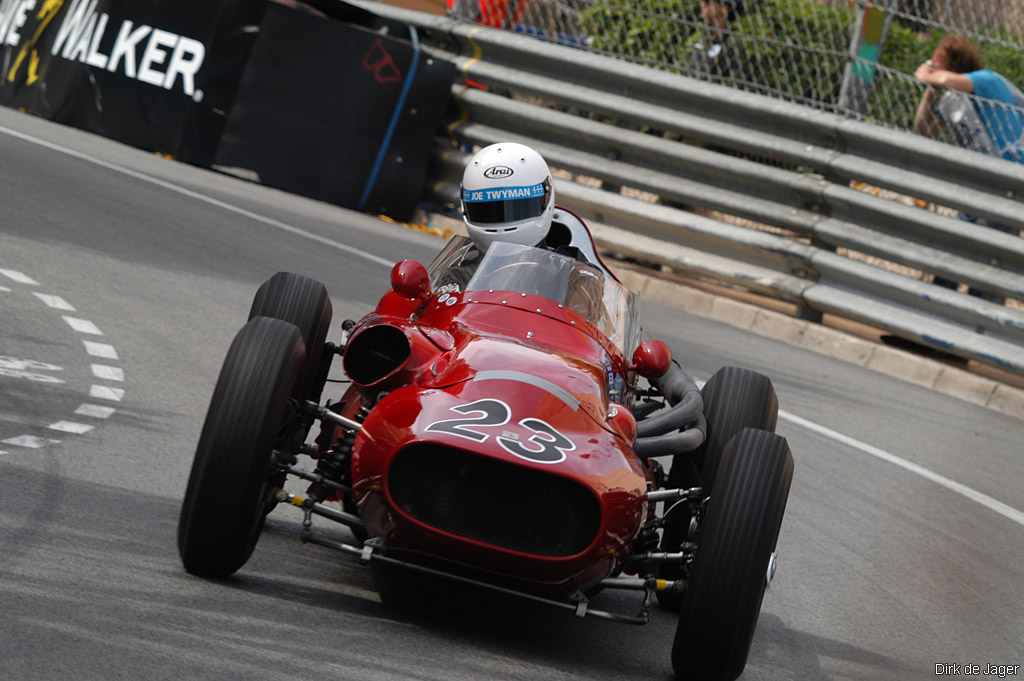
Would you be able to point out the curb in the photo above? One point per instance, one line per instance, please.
(823, 340)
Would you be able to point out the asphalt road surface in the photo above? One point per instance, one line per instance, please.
(123, 278)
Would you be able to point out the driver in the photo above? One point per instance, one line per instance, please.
(507, 196)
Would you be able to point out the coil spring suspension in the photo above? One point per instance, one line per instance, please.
(335, 463)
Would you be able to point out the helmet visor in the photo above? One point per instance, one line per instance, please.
(505, 204)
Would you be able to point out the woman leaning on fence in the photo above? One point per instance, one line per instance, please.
(977, 106)
(986, 121)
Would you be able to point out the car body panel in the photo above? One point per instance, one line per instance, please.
(509, 405)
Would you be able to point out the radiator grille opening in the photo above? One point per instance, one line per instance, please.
(494, 502)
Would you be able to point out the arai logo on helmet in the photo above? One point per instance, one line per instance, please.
(498, 172)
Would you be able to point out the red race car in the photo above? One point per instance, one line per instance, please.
(496, 432)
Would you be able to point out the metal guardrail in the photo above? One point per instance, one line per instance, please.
(765, 160)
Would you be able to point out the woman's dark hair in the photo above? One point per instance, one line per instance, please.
(962, 56)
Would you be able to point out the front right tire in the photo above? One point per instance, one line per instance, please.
(734, 399)
(735, 558)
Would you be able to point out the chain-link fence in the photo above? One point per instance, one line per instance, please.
(855, 57)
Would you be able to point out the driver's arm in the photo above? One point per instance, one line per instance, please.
(457, 277)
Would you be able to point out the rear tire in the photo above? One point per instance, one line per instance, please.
(734, 399)
(304, 302)
(227, 494)
(723, 599)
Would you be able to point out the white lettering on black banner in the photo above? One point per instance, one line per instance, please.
(143, 53)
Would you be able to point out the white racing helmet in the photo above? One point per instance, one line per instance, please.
(507, 196)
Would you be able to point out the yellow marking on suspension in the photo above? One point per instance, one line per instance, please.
(661, 585)
(296, 500)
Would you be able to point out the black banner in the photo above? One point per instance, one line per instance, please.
(322, 99)
(338, 111)
(158, 75)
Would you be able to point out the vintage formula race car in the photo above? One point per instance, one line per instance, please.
(496, 431)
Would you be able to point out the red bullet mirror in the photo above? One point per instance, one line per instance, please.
(652, 359)
(409, 279)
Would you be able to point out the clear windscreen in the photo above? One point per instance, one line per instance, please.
(578, 285)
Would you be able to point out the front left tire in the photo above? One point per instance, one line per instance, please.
(231, 480)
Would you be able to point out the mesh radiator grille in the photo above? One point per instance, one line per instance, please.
(494, 502)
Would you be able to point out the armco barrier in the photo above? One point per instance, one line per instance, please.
(766, 160)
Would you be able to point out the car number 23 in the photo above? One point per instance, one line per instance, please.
(546, 445)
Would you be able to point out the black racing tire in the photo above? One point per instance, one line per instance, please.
(304, 302)
(734, 399)
(730, 572)
(228, 489)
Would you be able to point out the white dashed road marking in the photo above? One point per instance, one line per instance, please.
(29, 441)
(102, 350)
(56, 302)
(108, 373)
(70, 427)
(95, 410)
(19, 278)
(102, 392)
(83, 326)
(104, 372)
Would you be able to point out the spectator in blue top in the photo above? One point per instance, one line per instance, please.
(985, 121)
(956, 67)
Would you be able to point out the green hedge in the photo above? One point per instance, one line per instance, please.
(797, 48)
(662, 33)
(648, 31)
(793, 48)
